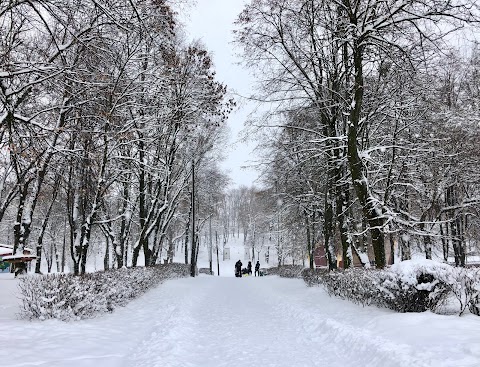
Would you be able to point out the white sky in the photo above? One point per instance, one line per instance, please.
(211, 21)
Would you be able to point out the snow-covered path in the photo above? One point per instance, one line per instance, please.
(267, 321)
(279, 322)
(225, 322)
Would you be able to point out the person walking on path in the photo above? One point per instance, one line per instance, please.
(249, 268)
(257, 268)
(238, 269)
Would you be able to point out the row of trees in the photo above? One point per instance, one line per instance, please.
(376, 141)
(105, 114)
(266, 227)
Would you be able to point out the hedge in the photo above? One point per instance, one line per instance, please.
(68, 297)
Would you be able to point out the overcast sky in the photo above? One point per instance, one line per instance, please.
(211, 21)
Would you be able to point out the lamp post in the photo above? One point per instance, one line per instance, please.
(218, 261)
(210, 250)
(193, 257)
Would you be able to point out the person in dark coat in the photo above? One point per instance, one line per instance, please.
(238, 268)
(257, 268)
(249, 268)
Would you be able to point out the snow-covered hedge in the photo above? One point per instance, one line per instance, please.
(415, 286)
(466, 289)
(287, 271)
(67, 297)
(206, 271)
(409, 286)
(314, 277)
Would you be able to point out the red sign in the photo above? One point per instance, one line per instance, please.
(319, 256)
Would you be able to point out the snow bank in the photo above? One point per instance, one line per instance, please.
(8, 296)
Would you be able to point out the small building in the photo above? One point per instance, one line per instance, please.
(7, 258)
(226, 253)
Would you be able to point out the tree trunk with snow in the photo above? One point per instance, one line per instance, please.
(370, 205)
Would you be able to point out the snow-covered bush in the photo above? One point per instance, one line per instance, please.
(206, 271)
(466, 289)
(67, 297)
(415, 286)
(313, 277)
(474, 305)
(287, 271)
(409, 286)
(357, 285)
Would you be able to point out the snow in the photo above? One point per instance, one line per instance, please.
(6, 250)
(212, 321)
(364, 258)
(224, 321)
(409, 270)
(19, 256)
(8, 298)
(4, 115)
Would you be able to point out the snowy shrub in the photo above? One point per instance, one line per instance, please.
(415, 286)
(313, 277)
(205, 271)
(409, 286)
(287, 271)
(466, 289)
(67, 297)
(474, 305)
(357, 285)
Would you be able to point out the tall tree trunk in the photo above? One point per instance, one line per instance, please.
(17, 227)
(445, 242)
(405, 247)
(64, 246)
(456, 228)
(106, 257)
(187, 229)
(328, 229)
(342, 216)
(57, 260)
(43, 228)
(392, 249)
(142, 188)
(371, 209)
(171, 248)
(309, 240)
(49, 259)
(193, 260)
(38, 260)
(125, 224)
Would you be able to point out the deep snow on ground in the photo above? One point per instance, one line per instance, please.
(8, 297)
(224, 321)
